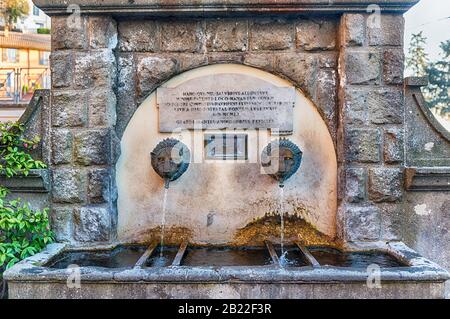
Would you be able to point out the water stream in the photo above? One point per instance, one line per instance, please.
(163, 221)
(281, 205)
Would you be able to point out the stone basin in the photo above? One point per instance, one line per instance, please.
(402, 273)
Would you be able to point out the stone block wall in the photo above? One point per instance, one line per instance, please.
(82, 123)
(302, 50)
(348, 65)
(370, 129)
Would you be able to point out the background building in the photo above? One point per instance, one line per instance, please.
(35, 21)
(24, 61)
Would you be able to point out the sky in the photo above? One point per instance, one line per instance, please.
(433, 18)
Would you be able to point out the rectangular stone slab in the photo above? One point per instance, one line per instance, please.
(233, 101)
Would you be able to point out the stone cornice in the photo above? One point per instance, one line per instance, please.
(221, 7)
(427, 179)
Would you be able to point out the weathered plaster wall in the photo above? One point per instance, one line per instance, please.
(217, 198)
(426, 225)
(302, 50)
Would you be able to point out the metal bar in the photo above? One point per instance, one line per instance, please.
(308, 255)
(16, 87)
(272, 252)
(180, 254)
(141, 262)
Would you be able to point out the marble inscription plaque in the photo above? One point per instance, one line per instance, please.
(219, 101)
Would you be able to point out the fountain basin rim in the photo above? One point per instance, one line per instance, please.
(420, 269)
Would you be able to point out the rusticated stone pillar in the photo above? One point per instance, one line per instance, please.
(82, 123)
(371, 115)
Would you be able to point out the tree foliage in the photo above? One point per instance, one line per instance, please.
(12, 10)
(417, 59)
(437, 93)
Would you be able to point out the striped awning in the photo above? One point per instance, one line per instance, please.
(17, 40)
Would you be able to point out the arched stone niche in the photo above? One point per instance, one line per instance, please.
(215, 199)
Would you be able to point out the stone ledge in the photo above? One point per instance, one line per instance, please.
(37, 181)
(222, 7)
(427, 179)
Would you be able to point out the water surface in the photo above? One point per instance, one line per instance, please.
(334, 257)
(226, 256)
(162, 257)
(120, 257)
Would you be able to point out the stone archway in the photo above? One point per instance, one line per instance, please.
(213, 201)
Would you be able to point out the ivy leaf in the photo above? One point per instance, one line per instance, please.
(12, 262)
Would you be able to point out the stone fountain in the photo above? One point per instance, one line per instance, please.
(233, 131)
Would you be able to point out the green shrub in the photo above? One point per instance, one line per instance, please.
(43, 30)
(23, 231)
(15, 150)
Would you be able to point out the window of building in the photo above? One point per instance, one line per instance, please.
(10, 55)
(35, 10)
(44, 57)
